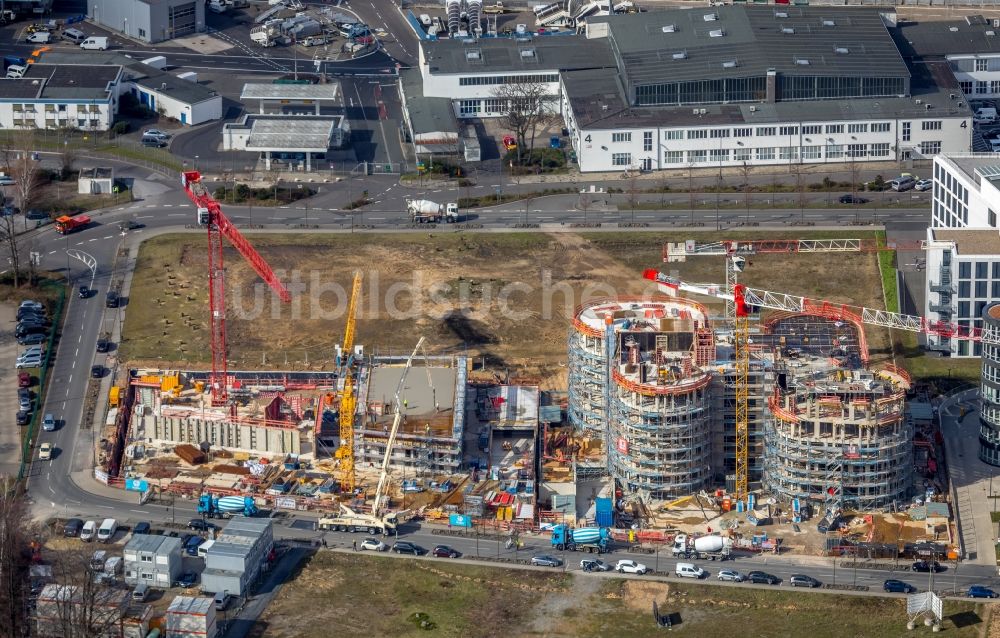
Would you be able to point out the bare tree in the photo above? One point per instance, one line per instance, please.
(800, 188)
(83, 604)
(67, 160)
(14, 558)
(527, 108)
(745, 172)
(633, 193)
(18, 159)
(13, 247)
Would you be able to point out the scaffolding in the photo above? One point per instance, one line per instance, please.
(840, 439)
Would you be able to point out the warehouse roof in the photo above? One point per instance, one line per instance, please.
(292, 133)
(974, 34)
(260, 91)
(543, 54)
(743, 41)
(597, 100)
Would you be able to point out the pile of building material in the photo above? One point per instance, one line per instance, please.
(190, 454)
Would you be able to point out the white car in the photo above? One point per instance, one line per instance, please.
(731, 575)
(630, 567)
(923, 185)
(155, 132)
(30, 362)
(374, 545)
(45, 452)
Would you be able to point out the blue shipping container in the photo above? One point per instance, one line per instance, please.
(605, 512)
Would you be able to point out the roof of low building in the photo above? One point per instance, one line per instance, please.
(937, 38)
(191, 605)
(970, 241)
(186, 91)
(71, 82)
(289, 132)
(542, 54)
(262, 91)
(724, 42)
(154, 543)
(427, 115)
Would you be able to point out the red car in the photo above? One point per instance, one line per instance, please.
(23, 380)
(444, 551)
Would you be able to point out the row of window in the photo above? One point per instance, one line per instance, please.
(980, 87)
(982, 268)
(965, 308)
(508, 79)
(60, 108)
(950, 199)
(771, 131)
(789, 153)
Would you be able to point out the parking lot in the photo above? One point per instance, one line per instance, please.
(10, 434)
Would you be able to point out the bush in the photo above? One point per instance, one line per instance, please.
(120, 128)
(540, 159)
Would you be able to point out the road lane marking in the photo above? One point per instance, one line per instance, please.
(70, 380)
(144, 216)
(76, 353)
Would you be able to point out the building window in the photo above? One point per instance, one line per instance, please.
(789, 130)
(965, 86)
(982, 271)
(766, 153)
(963, 309)
(697, 157)
(995, 289)
(146, 558)
(857, 128)
(930, 148)
(982, 65)
(906, 132)
(494, 105)
(719, 155)
(469, 107)
(994, 86)
(880, 150)
(716, 133)
(857, 150)
(766, 131)
(142, 33)
(547, 78)
(742, 132)
(834, 128)
(811, 153)
(675, 134)
(930, 125)
(743, 154)
(964, 289)
(673, 157)
(980, 292)
(981, 87)
(647, 141)
(964, 270)
(881, 127)
(788, 152)
(834, 151)
(621, 137)
(697, 134)
(812, 129)
(991, 219)
(621, 159)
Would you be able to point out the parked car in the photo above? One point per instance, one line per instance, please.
(374, 545)
(153, 142)
(979, 591)
(72, 527)
(31, 313)
(103, 345)
(406, 547)
(626, 566)
(49, 423)
(192, 545)
(923, 185)
(187, 538)
(96, 372)
(23, 417)
(852, 199)
(186, 580)
(83, 292)
(594, 565)
(88, 531)
(33, 362)
(24, 380)
(731, 575)
(801, 580)
(897, 586)
(31, 338)
(927, 566)
(30, 303)
(200, 525)
(762, 577)
(45, 451)
(443, 551)
(141, 527)
(544, 560)
(155, 132)
(112, 299)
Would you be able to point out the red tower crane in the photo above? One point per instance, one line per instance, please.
(210, 216)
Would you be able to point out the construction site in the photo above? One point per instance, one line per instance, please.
(689, 408)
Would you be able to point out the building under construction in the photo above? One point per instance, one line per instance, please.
(649, 398)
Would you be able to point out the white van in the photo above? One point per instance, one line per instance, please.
(985, 115)
(88, 530)
(39, 37)
(15, 71)
(689, 570)
(903, 183)
(107, 530)
(204, 547)
(95, 43)
(140, 593)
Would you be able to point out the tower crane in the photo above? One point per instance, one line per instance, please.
(747, 300)
(210, 216)
(348, 401)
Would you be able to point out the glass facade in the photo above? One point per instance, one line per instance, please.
(702, 92)
(832, 88)
(989, 390)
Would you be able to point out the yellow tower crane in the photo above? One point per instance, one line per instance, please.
(348, 401)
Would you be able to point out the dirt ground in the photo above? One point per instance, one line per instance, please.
(505, 299)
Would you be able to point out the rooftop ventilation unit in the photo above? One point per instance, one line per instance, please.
(680, 55)
(710, 17)
(829, 23)
(716, 33)
(669, 28)
(694, 111)
(474, 54)
(787, 30)
(780, 14)
(522, 39)
(953, 29)
(527, 53)
(729, 64)
(702, 111)
(802, 61)
(841, 50)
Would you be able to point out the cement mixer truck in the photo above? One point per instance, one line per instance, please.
(712, 547)
(425, 211)
(587, 539)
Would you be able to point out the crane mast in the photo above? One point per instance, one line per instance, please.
(210, 216)
(348, 401)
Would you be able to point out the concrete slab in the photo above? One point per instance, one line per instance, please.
(417, 392)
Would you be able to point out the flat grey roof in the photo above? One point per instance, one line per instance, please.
(427, 115)
(260, 91)
(185, 91)
(794, 41)
(153, 543)
(937, 38)
(976, 166)
(191, 605)
(933, 84)
(61, 82)
(504, 55)
(416, 392)
(291, 133)
(970, 241)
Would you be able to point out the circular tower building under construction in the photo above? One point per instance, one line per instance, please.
(638, 378)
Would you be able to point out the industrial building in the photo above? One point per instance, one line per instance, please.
(149, 21)
(238, 556)
(152, 560)
(989, 390)
(190, 617)
(58, 96)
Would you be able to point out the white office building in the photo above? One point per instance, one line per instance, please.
(57, 96)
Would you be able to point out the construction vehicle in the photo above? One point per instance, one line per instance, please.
(495, 9)
(348, 403)
(67, 224)
(378, 522)
(214, 507)
(712, 547)
(210, 215)
(586, 539)
(425, 211)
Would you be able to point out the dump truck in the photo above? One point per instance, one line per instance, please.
(67, 224)
(425, 211)
(586, 539)
(712, 547)
(347, 520)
